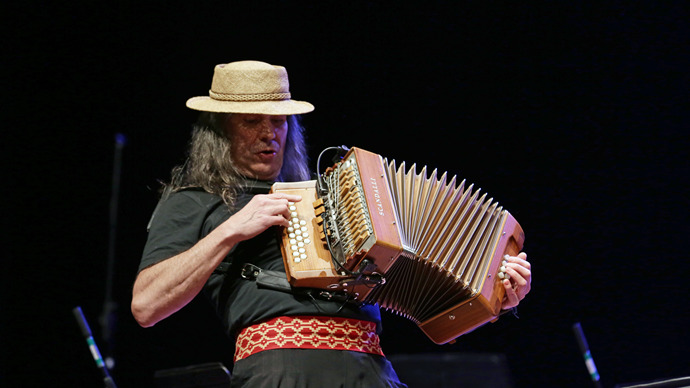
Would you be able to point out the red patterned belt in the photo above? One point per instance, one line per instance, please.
(306, 332)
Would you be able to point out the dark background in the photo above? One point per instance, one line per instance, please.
(573, 115)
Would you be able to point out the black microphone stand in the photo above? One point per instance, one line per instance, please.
(95, 353)
(108, 316)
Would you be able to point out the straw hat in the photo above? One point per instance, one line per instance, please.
(250, 87)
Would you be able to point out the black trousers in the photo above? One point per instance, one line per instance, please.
(306, 368)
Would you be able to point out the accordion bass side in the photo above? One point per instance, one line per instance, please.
(423, 246)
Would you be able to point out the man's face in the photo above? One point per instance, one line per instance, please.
(258, 143)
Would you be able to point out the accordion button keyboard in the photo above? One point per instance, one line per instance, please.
(298, 235)
(502, 271)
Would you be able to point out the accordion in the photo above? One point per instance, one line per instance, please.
(423, 246)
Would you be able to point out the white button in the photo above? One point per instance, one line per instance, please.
(293, 241)
(304, 234)
(294, 214)
(304, 229)
(291, 235)
(300, 244)
(290, 229)
(295, 220)
(306, 241)
(293, 207)
(297, 260)
(303, 222)
(298, 238)
(303, 256)
(294, 247)
(302, 250)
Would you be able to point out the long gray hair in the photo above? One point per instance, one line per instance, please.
(209, 165)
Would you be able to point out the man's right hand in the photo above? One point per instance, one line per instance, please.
(262, 212)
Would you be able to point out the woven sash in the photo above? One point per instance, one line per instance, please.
(305, 332)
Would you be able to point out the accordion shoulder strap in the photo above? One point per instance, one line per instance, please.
(276, 280)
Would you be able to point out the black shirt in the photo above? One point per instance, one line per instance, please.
(187, 216)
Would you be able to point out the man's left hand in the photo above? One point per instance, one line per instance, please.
(519, 283)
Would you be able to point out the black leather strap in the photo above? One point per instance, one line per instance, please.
(277, 280)
(274, 280)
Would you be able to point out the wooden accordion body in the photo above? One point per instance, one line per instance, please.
(422, 246)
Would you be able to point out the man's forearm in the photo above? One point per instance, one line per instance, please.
(166, 287)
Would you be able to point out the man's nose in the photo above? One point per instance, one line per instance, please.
(267, 130)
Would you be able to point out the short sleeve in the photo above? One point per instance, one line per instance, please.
(177, 225)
